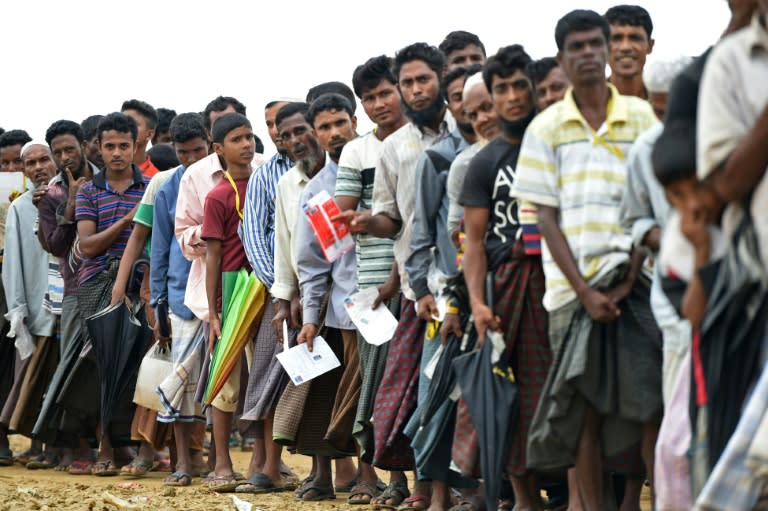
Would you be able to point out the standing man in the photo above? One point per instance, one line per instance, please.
(11, 143)
(549, 81)
(601, 328)
(92, 153)
(462, 49)
(629, 45)
(145, 117)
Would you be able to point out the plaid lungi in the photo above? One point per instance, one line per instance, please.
(613, 367)
(290, 407)
(465, 452)
(396, 398)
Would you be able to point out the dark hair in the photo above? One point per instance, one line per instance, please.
(459, 72)
(537, 70)
(630, 15)
(186, 127)
(332, 88)
(2, 131)
(290, 110)
(14, 137)
(259, 144)
(327, 102)
(117, 121)
(430, 55)
(371, 73)
(458, 40)
(270, 104)
(227, 123)
(164, 118)
(220, 104)
(90, 125)
(506, 61)
(580, 20)
(674, 153)
(64, 127)
(146, 110)
(163, 156)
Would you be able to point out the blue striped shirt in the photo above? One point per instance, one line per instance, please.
(258, 227)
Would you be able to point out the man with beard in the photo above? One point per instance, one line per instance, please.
(92, 152)
(25, 281)
(494, 244)
(332, 399)
(145, 117)
(418, 68)
(59, 232)
(630, 44)
(433, 261)
(462, 49)
(549, 81)
(376, 87)
(572, 166)
(266, 379)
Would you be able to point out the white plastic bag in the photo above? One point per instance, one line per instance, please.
(24, 342)
(156, 365)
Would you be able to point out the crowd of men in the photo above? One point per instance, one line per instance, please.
(599, 239)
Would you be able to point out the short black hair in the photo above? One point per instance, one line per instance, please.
(430, 55)
(580, 20)
(290, 110)
(332, 88)
(633, 15)
(219, 104)
(2, 131)
(328, 102)
(186, 127)
(227, 123)
(537, 70)
(459, 72)
(270, 104)
(64, 127)
(458, 40)
(259, 144)
(163, 156)
(674, 153)
(164, 118)
(371, 73)
(146, 110)
(118, 121)
(504, 64)
(14, 137)
(90, 125)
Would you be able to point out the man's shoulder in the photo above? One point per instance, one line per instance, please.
(546, 123)
(202, 167)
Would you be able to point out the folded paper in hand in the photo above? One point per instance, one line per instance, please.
(302, 366)
(334, 237)
(378, 325)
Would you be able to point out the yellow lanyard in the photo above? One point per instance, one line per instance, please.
(237, 195)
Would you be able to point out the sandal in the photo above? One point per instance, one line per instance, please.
(316, 493)
(137, 468)
(223, 484)
(80, 468)
(178, 479)
(303, 486)
(469, 505)
(104, 468)
(6, 457)
(414, 503)
(362, 489)
(397, 492)
(259, 483)
(26, 457)
(346, 488)
(44, 461)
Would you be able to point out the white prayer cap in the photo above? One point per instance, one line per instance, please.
(471, 81)
(33, 143)
(658, 75)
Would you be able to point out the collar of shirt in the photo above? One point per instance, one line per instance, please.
(101, 182)
(618, 111)
(299, 176)
(758, 33)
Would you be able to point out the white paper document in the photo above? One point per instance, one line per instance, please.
(302, 366)
(378, 325)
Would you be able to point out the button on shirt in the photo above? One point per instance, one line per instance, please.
(314, 270)
(98, 202)
(199, 179)
(567, 165)
(394, 187)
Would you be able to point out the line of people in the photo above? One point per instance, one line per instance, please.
(593, 246)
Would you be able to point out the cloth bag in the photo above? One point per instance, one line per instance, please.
(156, 365)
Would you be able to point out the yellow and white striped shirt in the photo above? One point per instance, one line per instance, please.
(567, 165)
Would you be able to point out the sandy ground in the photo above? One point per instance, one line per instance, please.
(47, 490)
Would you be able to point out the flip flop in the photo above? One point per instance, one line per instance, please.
(397, 492)
(360, 489)
(259, 483)
(346, 488)
(223, 484)
(410, 504)
(6, 457)
(26, 457)
(320, 493)
(303, 486)
(44, 461)
(105, 468)
(178, 479)
(80, 468)
(137, 468)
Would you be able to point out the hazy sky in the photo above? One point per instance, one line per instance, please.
(81, 57)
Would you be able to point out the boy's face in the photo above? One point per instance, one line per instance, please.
(693, 197)
(117, 150)
(10, 159)
(334, 128)
(238, 147)
(191, 151)
(382, 103)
